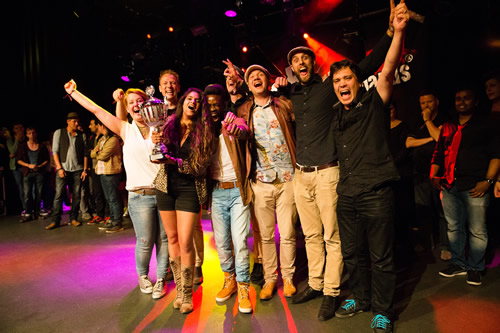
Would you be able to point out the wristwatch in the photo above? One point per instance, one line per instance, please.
(489, 181)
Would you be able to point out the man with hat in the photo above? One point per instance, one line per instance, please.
(317, 171)
(272, 146)
(71, 159)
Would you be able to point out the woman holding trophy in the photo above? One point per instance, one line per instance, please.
(181, 185)
(142, 205)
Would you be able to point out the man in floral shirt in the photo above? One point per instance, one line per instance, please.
(272, 146)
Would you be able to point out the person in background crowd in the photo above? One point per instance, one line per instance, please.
(71, 158)
(32, 157)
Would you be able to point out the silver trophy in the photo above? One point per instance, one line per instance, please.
(154, 114)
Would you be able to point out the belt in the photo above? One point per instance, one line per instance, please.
(316, 167)
(145, 191)
(227, 185)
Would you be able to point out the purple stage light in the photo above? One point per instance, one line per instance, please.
(125, 78)
(230, 13)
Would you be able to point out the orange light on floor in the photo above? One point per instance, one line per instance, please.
(148, 36)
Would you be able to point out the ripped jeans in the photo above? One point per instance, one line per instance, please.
(149, 232)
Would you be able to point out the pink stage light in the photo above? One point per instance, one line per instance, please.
(230, 13)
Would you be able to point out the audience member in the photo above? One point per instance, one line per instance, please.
(71, 158)
(32, 157)
(108, 155)
(468, 156)
(422, 140)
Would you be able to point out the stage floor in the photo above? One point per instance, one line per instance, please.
(84, 280)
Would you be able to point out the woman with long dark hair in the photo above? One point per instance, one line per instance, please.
(181, 186)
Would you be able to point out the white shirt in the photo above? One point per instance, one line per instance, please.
(222, 166)
(140, 171)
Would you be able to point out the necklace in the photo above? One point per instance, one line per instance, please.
(144, 131)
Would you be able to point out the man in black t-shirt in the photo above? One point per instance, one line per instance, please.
(422, 141)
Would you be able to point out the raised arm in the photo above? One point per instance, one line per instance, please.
(375, 59)
(120, 110)
(110, 121)
(386, 78)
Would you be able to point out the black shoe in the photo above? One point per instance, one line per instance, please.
(381, 323)
(327, 309)
(306, 295)
(198, 276)
(257, 275)
(114, 229)
(170, 275)
(452, 270)
(348, 309)
(474, 278)
(26, 218)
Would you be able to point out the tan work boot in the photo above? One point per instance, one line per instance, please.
(228, 289)
(288, 288)
(244, 304)
(267, 290)
(187, 273)
(175, 266)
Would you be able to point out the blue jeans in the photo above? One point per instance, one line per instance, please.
(231, 222)
(149, 232)
(461, 211)
(110, 185)
(74, 182)
(33, 185)
(18, 177)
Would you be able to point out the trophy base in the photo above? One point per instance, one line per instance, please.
(157, 157)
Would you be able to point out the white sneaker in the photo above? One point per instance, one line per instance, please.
(145, 284)
(159, 289)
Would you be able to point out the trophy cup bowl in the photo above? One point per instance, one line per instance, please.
(154, 114)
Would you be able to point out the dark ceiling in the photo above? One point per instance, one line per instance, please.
(97, 41)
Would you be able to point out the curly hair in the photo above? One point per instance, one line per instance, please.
(201, 132)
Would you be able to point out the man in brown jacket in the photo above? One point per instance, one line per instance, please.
(231, 197)
(272, 148)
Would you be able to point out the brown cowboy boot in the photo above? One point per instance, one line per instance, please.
(175, 266)
(187, 289)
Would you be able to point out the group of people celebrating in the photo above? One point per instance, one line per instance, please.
(259, 158)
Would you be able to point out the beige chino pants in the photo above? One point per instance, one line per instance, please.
(316, 198)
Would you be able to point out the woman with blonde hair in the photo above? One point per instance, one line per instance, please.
(141, 173)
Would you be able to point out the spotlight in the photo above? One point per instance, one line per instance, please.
(305, 35)
(230, 13)
(125, 78)
(148, 36)
(244, 49)
(171, 29)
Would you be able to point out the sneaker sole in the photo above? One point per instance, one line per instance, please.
(113, 231)
(158, 296)
(218, 299)
(343, 316)
(474, 283)
(452, 275)
(245, 310)
(146, 291)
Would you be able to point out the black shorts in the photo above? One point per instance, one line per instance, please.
(184, 199)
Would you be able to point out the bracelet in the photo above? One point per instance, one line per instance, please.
(489, 181)
(59, 169)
